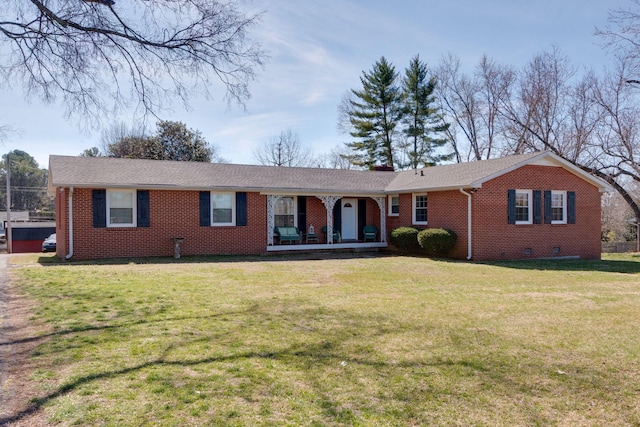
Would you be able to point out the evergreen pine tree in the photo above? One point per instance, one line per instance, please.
(422, 119)
(373, 114)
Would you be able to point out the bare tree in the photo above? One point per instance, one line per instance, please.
(615, 219)
(617, 144)
(284, 150)
(541, 103)
(622, 35)
(473, 104)
(592, 122)
(98, 56)
(115, 132)
(337, 158)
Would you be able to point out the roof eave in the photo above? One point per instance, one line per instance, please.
(261, 190)
(602, 185)
(428, 189)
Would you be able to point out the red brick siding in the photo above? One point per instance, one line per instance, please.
(494, 238)
(62, 222)
(173, 214)
(316, 215)
(445, 209)
(373, 215)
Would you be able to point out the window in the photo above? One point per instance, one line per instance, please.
(523, 207)
(222, 209)
(558, 207)
(420, 209)
(284, 212)
(394, 205)
(121, 208)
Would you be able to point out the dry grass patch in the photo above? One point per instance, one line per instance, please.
(337, 341)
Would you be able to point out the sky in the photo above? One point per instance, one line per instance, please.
(317, 53)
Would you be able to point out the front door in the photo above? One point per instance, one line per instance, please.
(349, 219)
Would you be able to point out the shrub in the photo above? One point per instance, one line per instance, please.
(405, 238)
(437, 241)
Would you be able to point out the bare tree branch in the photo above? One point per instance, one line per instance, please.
(284, 150)
(98, 57)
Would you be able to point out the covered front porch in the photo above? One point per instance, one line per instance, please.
(327, 221)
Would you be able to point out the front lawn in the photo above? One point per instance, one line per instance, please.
(361, 340)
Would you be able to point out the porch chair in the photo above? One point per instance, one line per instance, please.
(370, 233)
(288, 234)
(336, 235)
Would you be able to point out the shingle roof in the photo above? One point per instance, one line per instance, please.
(106, 172)
(458, 175)
(101, 172)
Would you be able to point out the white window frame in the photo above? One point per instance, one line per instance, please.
(529, 194)
(564, 207)
(134, 214)
(233, 209)
(390, 202)
(414, 207)
(295, 209)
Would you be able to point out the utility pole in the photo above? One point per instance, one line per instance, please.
(8, 170)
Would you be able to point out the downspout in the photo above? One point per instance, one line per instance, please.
(469, 233)
(70, 254)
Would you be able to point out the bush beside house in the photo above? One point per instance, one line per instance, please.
(405, 239)
(437, 241)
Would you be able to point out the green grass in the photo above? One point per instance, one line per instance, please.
(344, 341)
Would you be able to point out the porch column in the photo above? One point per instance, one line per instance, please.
(382, 204)
(272, 199)
(329, 202)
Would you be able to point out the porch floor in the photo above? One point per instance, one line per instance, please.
(325, 246)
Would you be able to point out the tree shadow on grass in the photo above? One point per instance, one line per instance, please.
(106, 327)
(326, 342)
(203, 259)
(323, 353)
(626, 266)
(630, 265)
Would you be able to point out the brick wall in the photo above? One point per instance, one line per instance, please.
(62, 222)
(173, 214)
(445, 209)
(493, 238)
(317, 215)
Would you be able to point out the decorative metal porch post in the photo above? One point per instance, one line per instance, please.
(329, 202)
(272, 199)
(382, 204)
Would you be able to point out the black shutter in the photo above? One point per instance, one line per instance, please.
(241, 209)
(205, 209)
(337, 216)
(548, 213)
(142, 208)
(99, 208)
(571, 207)
(537, 207)
(302, 213)
(511, 206)
(362, 217)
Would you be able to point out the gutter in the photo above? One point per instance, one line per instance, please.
(469, 233)
(70, 254)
